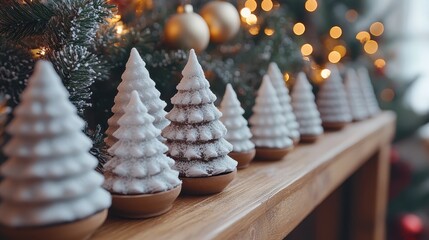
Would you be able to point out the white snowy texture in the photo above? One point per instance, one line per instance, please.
(49, 177)
(282, 93)
(332, 99)
(195, 136)
(136, 77)
(238, 133)
(356, 99)
(139, 164)
(368, 91)
(268, 123)
(304, 106)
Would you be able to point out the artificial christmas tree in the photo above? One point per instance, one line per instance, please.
(195, 136)
(332, 102)
(139, 175)
(282, 93)
(268, 125)
(136, 77)
(238, 133)
(305, 109)
(355, 97)
(50, 188)
(368, 91)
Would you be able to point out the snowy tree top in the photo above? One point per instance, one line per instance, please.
(276, 77)
(267, 93)
(302, 83)
(193, 75)
(230, 98)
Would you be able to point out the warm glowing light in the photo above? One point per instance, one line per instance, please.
(254, 30)
(371, 47)
(252, 19)
(306, 49)
(335, 32)
(341, 49)
(311, 5)
(286, 77)
(363, 36)
(351, 15)
(116, 18)
(298, 28)
(334, 57)
(376, 28)
(379, 63)
(325, 73)
(267, 5)
(269, 31)
(387, 95)
(42, 51)
(251, 5)
(119, 28)
(245, 12)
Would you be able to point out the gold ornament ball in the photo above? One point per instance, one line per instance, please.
(223, 20)
(186, 30)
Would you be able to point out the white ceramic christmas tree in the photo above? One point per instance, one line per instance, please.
(139, 167)
(195, 136)
(268, 125)
(355, 97)
(238, 133)
(368, 91)
(304, 106)
(282, 93)
(332, 102)
(136, 77)
(50, 188)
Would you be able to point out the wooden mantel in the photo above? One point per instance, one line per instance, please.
(269, 199)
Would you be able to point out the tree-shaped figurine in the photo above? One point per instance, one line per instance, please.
(368, 91)
(355, 97)
(332, 102)
(50, 188)
(304, 106)
(195, 136)
(268, 124)
(238, 133)
(282, 93)
(136, 77)
(139, 175)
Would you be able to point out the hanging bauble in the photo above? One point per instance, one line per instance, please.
(223, 20)
(187, 30)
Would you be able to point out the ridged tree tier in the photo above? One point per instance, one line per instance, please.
(355, 97)
(368, 91)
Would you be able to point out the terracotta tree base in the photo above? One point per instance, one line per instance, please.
(243, 158)
(334, 126)
(144, 205)
(309, 138)
(207, 185)
(77, 230)
(296, 141)
(271, 154)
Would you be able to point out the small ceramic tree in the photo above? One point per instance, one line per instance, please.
(368, 91)
(195, 136)
(50, 184)
(238, 133)
(332, 102)
(282, 93)
(304, 106)
(357, 102)
(139, 175)
(268, 125)
(136, 77)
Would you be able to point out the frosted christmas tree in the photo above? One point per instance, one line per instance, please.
(268, 124)
(368, 91)
(282, 93)
(195, 136)
(357, 102)
(136, 77)
(304, 106)
(49, 178)
(332, 102)
(139, 165)
(238, 133)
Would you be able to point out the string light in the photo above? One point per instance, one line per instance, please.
(334, 57)
(254, 30)
(298, 28)
(311, 5)
(245, 12)
(269, 31)
(379, 63)
(252, 19)
(335, 32)
(363, 36)
(351, 15)
(306, 49)
(267, 5)
(341, 49)
(251, 5)
(376, 28)
(371, 47)
(286, 77)
(325, 73)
